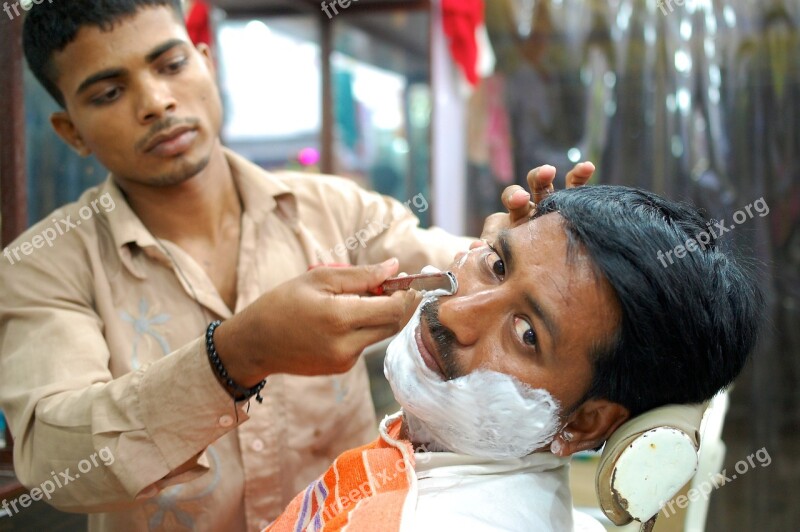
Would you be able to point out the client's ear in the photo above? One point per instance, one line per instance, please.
(589, 426)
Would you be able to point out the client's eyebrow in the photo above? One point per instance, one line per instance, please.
(507, 254)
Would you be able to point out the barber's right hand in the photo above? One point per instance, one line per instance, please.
(315, 324)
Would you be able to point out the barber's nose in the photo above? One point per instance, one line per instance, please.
(156, 101)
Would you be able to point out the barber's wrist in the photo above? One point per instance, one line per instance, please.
(229, 363)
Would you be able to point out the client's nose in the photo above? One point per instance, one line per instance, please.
(471, 311)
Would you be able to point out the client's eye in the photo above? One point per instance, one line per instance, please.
(499, 268)
(525, 331)
(495, 263)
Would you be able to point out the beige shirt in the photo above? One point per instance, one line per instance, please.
(104, 376)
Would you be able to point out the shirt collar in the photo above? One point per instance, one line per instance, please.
(260, 191)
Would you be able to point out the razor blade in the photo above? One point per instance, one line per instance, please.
(422, 282)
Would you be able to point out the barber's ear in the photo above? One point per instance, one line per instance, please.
(589, 427)
(208, 58)
(65, 128)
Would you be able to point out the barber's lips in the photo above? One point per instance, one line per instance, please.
(430, 360)
(173, 143)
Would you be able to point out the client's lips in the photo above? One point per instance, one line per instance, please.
(429, 355)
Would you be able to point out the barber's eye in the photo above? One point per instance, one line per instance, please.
(107, 96)
(525, 331)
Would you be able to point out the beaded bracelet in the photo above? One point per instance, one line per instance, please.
(235, 389)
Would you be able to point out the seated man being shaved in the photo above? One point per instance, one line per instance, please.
(562, 328)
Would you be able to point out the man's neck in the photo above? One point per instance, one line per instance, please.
(199, 209)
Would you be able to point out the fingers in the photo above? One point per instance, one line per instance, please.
(515, 197)
(357, 279)
(379, 311)
(580, 175)
(493, 224)
(540, 181)
(364, 338)
(517, 201)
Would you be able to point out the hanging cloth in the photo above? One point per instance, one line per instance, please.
(461, 19)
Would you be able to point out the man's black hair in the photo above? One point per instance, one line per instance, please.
(50, 27)
(687, 325)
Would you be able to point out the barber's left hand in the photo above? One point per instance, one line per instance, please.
(520, 204)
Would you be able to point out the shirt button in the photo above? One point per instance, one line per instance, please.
(225, 421)
(257, 445)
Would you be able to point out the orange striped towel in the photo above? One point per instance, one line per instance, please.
(364, 489)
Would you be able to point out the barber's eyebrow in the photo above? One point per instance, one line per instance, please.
(103, 75)
(537, 309)
(163, 48)
(112, 73)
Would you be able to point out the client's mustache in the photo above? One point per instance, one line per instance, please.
(443, 338)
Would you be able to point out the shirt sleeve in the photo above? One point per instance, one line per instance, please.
(86, 440)
(374, 227)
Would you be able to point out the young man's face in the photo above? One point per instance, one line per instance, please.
(524, 310)
(140, 97)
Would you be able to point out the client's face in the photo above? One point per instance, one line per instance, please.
(498, 369)
(524, 309)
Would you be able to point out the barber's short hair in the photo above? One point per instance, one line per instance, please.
(50, 26)
(688, 325)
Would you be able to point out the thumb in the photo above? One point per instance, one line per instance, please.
(360, 279)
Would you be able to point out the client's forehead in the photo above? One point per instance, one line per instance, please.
(560, 277)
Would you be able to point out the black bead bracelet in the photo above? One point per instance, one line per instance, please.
(239, 393)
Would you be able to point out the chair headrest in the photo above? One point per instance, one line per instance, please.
(647, 461)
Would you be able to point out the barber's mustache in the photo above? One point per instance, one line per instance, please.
(163, 125)
(443, 338)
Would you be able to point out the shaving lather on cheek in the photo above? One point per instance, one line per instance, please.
(485, 413)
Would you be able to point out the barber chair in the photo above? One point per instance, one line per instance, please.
(650, 458)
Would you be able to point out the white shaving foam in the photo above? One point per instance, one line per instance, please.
(485, 414)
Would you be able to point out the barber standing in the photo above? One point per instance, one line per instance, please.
(109, 344)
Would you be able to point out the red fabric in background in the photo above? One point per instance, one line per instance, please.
(198, 23)
(460, 19)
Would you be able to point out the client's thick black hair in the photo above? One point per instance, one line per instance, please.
(687, 328)
(51, 26)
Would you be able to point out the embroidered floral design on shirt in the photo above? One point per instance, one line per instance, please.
(143, 326)
(170, 500)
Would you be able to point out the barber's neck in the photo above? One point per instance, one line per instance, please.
(198, 209)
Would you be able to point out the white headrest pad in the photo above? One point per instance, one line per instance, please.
(646, 462)
(652, 469)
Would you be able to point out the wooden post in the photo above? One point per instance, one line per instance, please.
(13, 197)
(12, 132)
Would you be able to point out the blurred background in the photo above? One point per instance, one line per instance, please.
(698, 100)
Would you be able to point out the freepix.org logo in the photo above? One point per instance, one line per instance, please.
(58, 228)
(716, 228)
(59, 480)
(24, 4)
